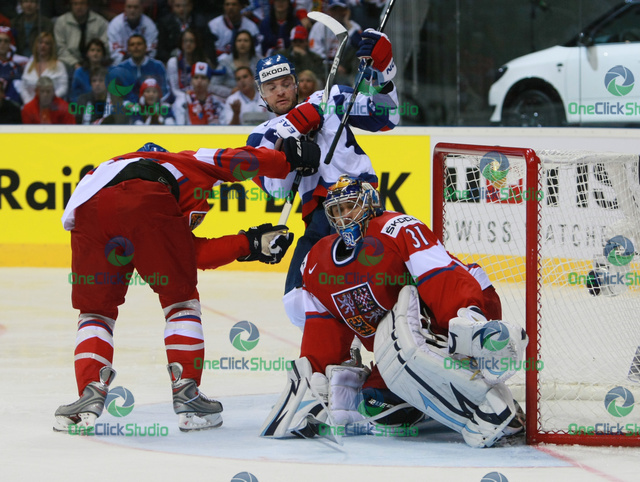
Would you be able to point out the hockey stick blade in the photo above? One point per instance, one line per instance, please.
(342, 35)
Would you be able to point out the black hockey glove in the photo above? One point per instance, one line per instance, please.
(268, 243)
(303, 156)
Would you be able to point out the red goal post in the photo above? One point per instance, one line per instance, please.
(541, 223)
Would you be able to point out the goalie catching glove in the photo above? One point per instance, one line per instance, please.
(302, 156)
(268, 244)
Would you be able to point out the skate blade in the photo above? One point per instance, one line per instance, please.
(191, 422)
(83, 426)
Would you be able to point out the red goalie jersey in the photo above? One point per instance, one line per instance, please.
(347, 293)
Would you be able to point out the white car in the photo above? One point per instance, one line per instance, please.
(588, 81)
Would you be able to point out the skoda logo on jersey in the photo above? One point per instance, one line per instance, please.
(119, 251)
(619, 81)
(619, 402)
(619, 251)
(494, 336)
(244, 477)
(274, 72)
(371, 251)
(244, 166)
(244, 335)
(111, 402)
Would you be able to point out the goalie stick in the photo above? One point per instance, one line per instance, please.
(342, 35)
(359, 78)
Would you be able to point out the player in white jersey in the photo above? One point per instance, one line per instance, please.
(377, 111)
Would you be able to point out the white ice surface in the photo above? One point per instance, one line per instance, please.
(37, 335)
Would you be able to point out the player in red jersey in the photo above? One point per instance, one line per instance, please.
(386, 278)
(137, 211)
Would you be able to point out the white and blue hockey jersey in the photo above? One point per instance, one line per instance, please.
(378, 112)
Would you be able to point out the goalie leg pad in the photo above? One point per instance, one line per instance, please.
(279, 420)
(416, 372)
(344, 394)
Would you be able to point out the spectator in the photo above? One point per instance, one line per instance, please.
(300, 55)
(307, 84)
(139, 67)
(243, 54)
(99, 106)
(276, 26)
(245, 106)
(323, 42)
(11, 65)
(131, 21)
(95, 56)
(179, 67)
(28, 25)
(75, 29)
(227, 26)
(198, 106)
(258, 11)
(173, 25)
(9, 112)
(46, 107)
(44, 62)
(151, 110)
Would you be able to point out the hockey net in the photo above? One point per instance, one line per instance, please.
(558, 234)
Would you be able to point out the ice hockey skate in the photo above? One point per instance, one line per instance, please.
(84, 412)
(196, 411)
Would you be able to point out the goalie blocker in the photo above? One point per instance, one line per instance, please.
(481, 410)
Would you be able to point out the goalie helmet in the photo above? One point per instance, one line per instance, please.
(350, 204)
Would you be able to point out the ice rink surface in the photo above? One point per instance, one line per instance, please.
(37, 336)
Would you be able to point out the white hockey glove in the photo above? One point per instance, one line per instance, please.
(268, 244)
(497, 346)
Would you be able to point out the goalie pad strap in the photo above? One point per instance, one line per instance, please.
(416, 373)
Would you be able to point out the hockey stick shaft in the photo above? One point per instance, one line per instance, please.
(361, 70)
(341, 33)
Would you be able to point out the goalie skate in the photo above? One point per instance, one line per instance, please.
(196, 411)
(82, 414)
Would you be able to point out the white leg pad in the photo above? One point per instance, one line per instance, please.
(344, 394)
(279, 420)
(415, 371)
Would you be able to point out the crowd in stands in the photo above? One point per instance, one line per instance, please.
(162, 62)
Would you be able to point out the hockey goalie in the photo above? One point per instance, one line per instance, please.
(386, 278)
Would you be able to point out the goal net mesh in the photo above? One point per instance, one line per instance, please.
(558, 234)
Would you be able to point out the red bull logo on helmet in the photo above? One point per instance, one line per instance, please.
(274, 72)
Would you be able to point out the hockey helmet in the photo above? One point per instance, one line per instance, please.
(273, 67)
(350, 204)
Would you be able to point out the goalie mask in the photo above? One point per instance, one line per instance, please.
(350, 204)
